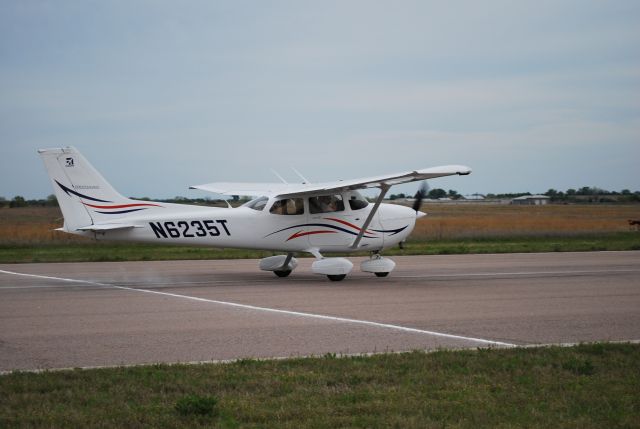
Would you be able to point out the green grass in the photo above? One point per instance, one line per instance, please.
(586, 386)
(101, 251)
(581, 243)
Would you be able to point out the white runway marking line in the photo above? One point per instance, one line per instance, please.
(277, 311)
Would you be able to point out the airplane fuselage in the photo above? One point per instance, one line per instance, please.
(244, 227)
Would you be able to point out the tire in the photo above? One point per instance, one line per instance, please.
(336, 277)
(282, 273)
(382, 274)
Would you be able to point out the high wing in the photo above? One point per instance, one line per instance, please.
(284, 190)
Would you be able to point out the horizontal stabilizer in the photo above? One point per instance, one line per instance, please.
(108, 227)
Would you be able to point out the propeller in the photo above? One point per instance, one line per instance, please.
(422, 192)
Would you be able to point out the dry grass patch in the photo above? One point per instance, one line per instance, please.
(450, 221)
(33, 225)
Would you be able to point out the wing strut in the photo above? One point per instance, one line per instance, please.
(383, 191)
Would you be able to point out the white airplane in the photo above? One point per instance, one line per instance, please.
(289, 218)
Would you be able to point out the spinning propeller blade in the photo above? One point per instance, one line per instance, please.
(424, 190)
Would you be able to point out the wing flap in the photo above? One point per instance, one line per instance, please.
(241, 188)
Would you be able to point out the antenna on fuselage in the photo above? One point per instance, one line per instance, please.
(279, 176)
(304, 179)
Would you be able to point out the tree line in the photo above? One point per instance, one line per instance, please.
(585, 194)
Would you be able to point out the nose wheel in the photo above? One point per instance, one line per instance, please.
(282, 273)
(378, 265)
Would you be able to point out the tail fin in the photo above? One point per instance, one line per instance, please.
(84, 196)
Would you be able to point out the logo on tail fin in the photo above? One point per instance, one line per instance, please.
(78, 194)
(69, 162)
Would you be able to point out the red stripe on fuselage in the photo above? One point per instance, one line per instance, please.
(303, 233)
(344, 222)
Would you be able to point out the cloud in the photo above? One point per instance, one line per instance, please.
(174, 94)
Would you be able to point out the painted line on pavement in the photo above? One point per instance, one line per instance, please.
(277, 311)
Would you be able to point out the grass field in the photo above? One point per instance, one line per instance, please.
(27, 234)
(587, 386)
(450, 221)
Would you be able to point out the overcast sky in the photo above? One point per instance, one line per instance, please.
(160, 95)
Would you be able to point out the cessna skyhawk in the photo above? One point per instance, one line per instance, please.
(284, 217)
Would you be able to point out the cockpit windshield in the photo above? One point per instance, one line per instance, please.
(357, 201)
(257, 203)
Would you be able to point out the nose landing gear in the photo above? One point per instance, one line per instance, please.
(378, 265)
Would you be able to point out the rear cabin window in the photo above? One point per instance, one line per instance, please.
(289, 206)
(326, 204)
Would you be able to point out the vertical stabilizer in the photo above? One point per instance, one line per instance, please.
(81, 191)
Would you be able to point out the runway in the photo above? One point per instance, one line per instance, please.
(103, 314)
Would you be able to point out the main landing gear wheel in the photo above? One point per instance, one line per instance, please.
(336, 277)
(382, 274)
(282, 273)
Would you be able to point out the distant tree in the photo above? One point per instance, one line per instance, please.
(571, 191)
(397, 196)
(18, 201)
(454, 195)
(434, 194)
(52, 201)
(625, 192)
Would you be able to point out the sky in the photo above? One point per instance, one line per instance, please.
(160, 95)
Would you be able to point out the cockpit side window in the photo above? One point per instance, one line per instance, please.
(357, 202)
(257, 203)
(326, 204)
(289, 206)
